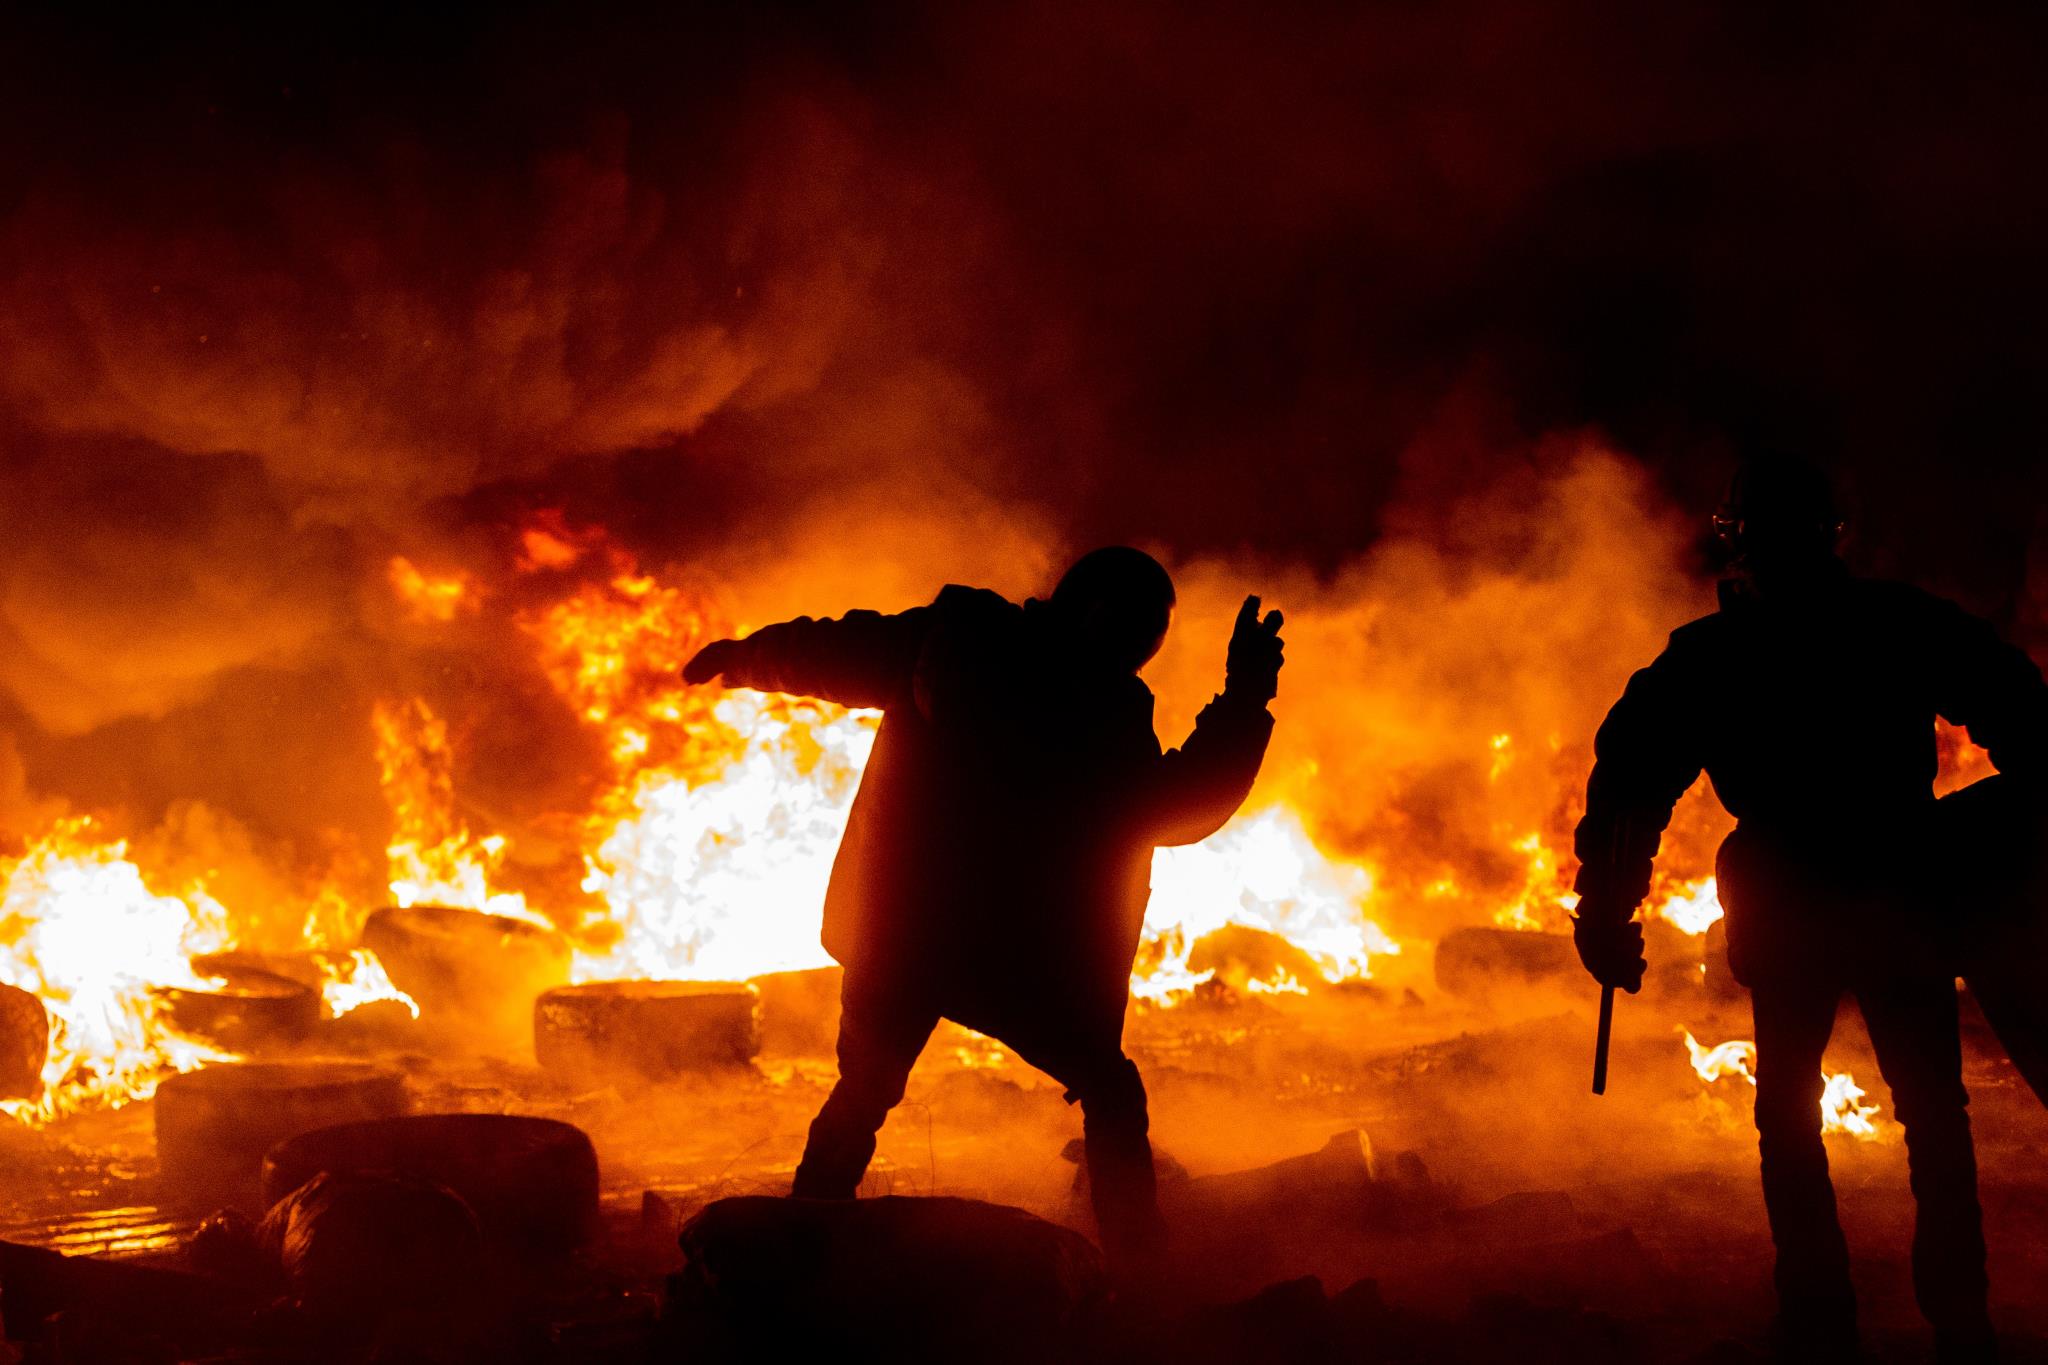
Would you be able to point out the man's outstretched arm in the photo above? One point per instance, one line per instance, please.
(863, 658)
(1194, 789)
(1643, 761)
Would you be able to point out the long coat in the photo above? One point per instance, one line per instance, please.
(997, 857)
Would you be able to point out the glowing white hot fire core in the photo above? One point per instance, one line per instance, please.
(81, 932)
(1262, 871)
(724, 877)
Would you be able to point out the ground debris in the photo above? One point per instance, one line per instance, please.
(896, 1278)
(532, 1182)
(364, 1245)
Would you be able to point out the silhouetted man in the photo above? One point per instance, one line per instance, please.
(996, 863)
(1810, 698)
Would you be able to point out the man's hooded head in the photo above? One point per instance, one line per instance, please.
(1118, 602)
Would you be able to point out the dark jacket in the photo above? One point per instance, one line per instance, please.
(1812, 712)
(997, 857)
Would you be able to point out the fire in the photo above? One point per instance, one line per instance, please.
(708, 853)
(1841, 1109)
(434, 857)
(1263, 871)
(1694, 906)
(615, 651)
(80, 930)
(1736, 1057)
(362, 981)
(711, 846)
(1545, 894)
(430, 598)
(721, 872)
(705, 849)
(83, 929)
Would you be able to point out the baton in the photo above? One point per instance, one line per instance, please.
(1602, 1039)
(1617, 845)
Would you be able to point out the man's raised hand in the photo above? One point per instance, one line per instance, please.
(1252, 669)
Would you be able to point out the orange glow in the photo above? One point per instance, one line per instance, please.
(1263, 871)
(81, 931)
(1841, 1106)
(361, 980)
(709, 849)
(704, 845)
(1545, 895)
(430, 598)
(435, 860)
(1693, 907)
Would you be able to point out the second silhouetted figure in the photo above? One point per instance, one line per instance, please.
(996, 863)
(1810, 699)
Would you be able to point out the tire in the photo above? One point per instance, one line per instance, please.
(531, 1181)
(473, 975)
(648, 1030)
(24, 1044)
(251, 1011)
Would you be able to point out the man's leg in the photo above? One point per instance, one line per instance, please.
(1913, 1025)
(880, 1036)
(1816, 1303)
(1115, 1129)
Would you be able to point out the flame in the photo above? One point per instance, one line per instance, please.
(80, 930)
(707, 845)
(1264, 871)
(1840, 1112)
(359, 980)
(547, 542)
(430, 598)
(711, 846)
(1840, 1108)
(712, 849)
(1503, 756)
(1736, 1057)
(1545, 895)
(435, 860)
(1694, 906)
(721, 873)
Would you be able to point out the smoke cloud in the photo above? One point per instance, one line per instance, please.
(1439, 326)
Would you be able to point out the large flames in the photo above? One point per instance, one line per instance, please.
(704, 849)
(81, 930)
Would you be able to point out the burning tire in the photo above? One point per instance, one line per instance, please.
(249, 1010)
(531, 1181)
(646, 1029)
(213, 1126)
(24, 1044)
(471, 973)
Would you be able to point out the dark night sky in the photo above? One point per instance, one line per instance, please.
(1170, 243)
(1224, 278)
